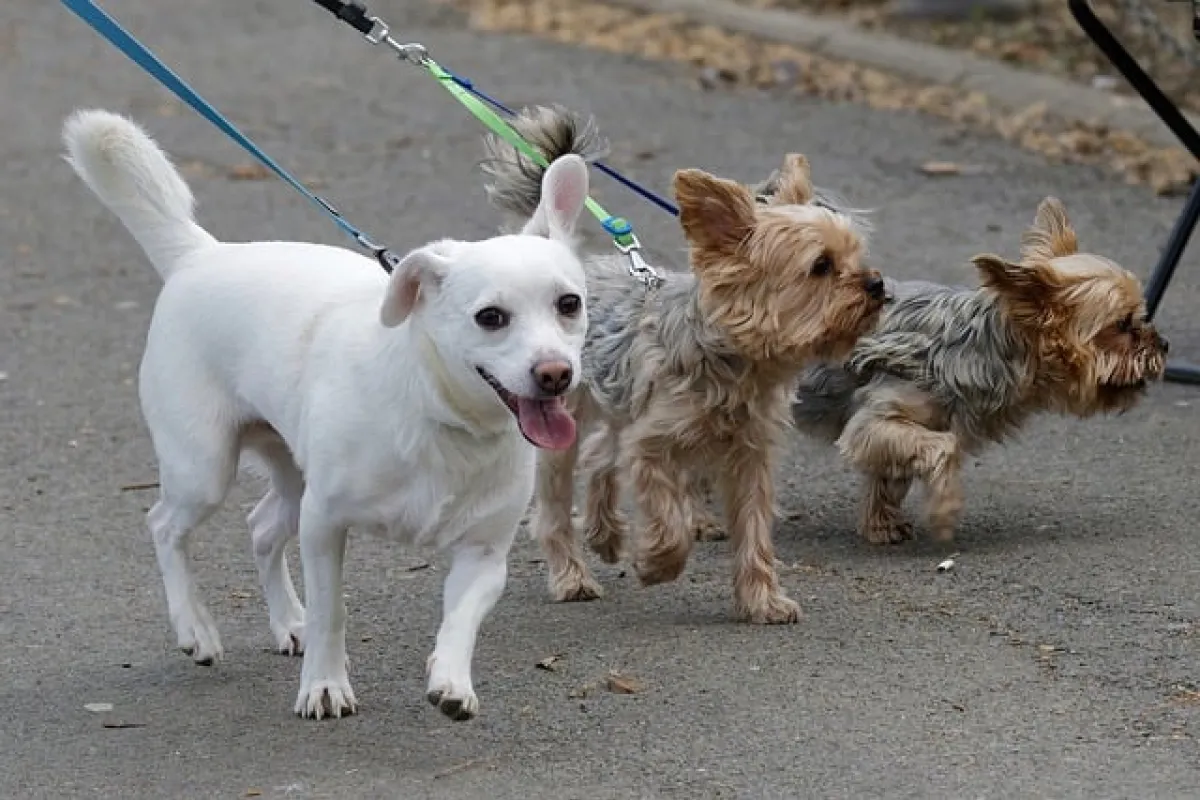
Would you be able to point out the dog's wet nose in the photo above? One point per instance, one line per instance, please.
(553, 377)
(873, 283)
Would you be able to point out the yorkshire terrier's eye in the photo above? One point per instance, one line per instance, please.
(823, 265)
(1126, 324)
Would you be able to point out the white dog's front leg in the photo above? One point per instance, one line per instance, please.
(324, 682)
(476, 580)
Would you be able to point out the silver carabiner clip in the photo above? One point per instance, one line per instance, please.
(638, 268)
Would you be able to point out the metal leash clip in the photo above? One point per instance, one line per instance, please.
(628, 245)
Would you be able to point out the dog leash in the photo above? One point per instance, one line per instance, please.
(620, 229)
(108, 27)
(376, 32)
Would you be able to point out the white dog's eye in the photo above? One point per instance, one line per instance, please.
(569, 305)
(491, 318)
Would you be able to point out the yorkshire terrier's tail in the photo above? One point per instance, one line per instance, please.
(514, 181)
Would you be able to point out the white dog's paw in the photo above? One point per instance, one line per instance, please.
(453, 697)
(326, 698)
(456, 703)
(197, 635)
(289, 637)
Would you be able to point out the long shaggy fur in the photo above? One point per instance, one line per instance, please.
(950, 370)
(693, 379)
(515, 182)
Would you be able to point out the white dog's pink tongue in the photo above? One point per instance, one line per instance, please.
(546, 423)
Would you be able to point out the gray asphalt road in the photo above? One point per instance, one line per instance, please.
(1055, 661)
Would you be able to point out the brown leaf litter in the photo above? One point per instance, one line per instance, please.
(1045, 38)
(722, 58)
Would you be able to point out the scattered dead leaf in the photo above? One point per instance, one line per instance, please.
(248, 172)
(550, 663)
(617, 683)
(1186, 696)
(418, 566)
(119, 725)
(253, 793)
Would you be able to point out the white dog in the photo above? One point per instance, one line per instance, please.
(396, 404)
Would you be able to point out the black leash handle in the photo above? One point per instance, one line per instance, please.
(352, 13)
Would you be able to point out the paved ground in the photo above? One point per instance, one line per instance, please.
(1054, 662)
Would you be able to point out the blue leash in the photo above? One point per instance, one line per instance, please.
(107, 27)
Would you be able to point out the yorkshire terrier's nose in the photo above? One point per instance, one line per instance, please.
(873, 283)
(552, 377)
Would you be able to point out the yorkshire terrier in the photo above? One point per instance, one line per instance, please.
(692, 380)
(951, 370)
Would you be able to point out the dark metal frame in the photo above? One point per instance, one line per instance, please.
(1188, 136)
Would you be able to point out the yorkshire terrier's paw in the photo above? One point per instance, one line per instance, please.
(659, 568)
(574, 585)
(773, 609)
(888, 531)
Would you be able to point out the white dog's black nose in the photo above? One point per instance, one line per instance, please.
(552, 377)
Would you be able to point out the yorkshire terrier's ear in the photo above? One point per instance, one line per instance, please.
(795, 181)
(1028, 288)
(1051, 235)
(715, 213)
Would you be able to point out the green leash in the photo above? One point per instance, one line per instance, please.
(618, 228)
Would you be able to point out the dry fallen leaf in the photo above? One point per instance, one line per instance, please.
(1186, 696)
(617, 683)
(549, 663)
(248, 172)
(253, 793)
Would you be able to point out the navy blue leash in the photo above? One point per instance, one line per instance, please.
(107, 27)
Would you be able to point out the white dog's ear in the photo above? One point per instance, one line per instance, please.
(564, 191)
(417, 273)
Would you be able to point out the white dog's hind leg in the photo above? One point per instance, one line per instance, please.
(475, 582)
(273, 523)
(191, 492)
(324, 681)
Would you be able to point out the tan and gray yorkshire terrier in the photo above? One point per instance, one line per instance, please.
(692, 380)
(949, 370)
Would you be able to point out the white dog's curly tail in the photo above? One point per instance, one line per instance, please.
(515, 181)
(135, 179)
